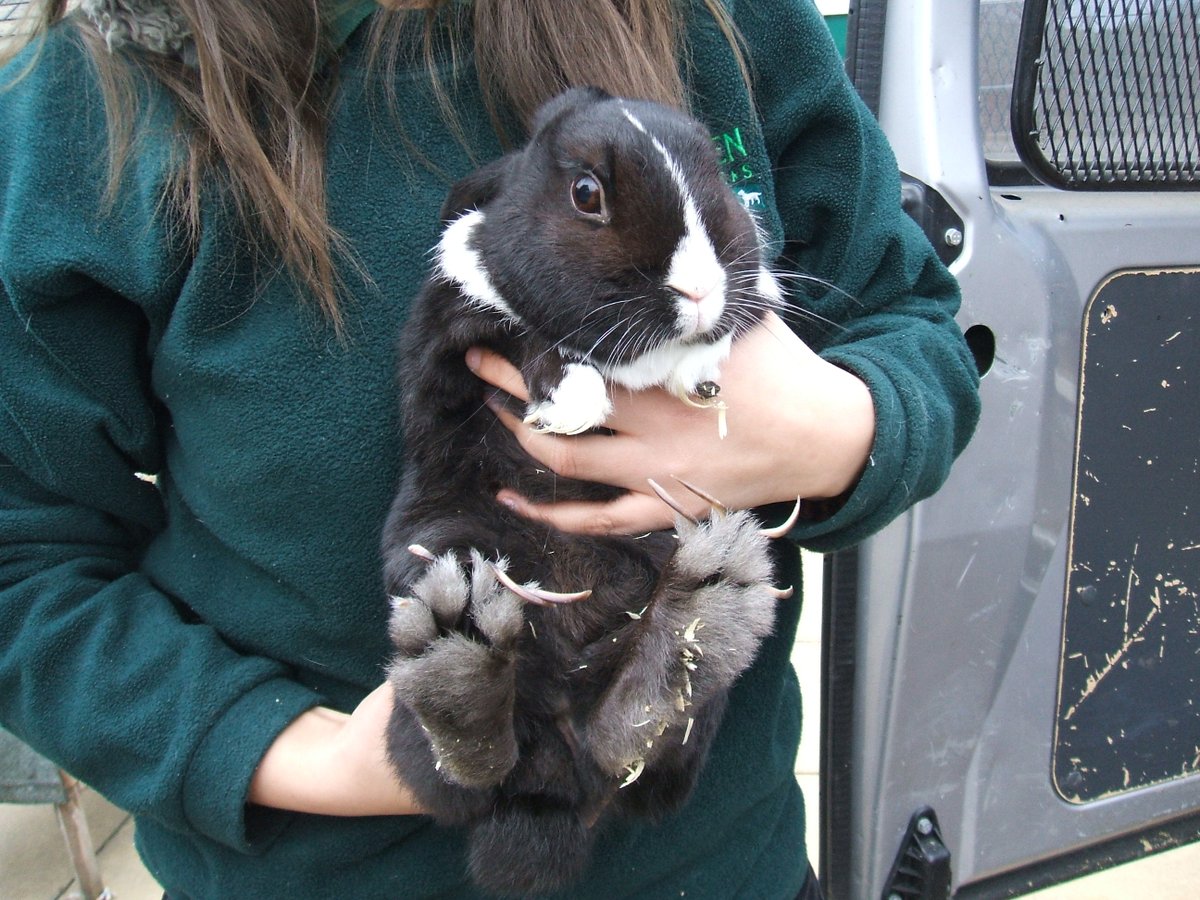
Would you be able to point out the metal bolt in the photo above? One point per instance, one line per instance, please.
(924, 826)
(953, 237)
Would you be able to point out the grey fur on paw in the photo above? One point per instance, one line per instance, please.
(438, 600)
(729, 544)
(435, 602)
(461, 687)
(722, 572)
(496, 611)
(710, 612)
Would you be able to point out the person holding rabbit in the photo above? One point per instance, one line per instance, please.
(214, 218)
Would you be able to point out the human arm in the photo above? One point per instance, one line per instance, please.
(882, 306)
(332, 763)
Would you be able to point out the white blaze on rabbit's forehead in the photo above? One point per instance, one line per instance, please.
(461, 263)
(695, 271)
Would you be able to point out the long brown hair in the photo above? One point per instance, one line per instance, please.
(255, 104)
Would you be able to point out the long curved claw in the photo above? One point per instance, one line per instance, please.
(780, 530)
(537, 595)
(708, 498)
(783, 593)
(420, 552)
(671, 501)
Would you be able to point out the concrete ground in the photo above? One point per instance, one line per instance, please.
(34, 864)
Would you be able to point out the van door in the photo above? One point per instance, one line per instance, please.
(1012, 670)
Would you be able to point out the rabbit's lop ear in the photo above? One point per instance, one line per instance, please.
(568, 100)
(477, 189)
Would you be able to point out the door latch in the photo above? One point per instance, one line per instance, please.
(922, 867)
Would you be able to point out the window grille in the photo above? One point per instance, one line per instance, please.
(12, 12)
(14, 19)
(1106, 93)
(999, 27)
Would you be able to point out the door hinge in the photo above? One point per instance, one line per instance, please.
(937, 218)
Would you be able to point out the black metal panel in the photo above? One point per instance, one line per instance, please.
(864, 48)
(1129, 689)
(839, 629)
(1107, 93)
(1157, 837)
(864, 64)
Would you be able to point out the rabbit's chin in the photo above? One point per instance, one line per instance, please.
(676, 366)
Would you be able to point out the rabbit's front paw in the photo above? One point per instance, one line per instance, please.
(578, 403)
(455, 634)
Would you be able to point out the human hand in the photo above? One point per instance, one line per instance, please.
(334, 764)
(798, 426)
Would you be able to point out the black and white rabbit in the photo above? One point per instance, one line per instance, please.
(609, 250)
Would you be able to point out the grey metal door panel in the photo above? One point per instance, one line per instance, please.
(960, 604)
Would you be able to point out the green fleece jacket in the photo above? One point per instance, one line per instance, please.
(155, 636)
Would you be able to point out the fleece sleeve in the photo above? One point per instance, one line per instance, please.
(99, 670)
(871, 295)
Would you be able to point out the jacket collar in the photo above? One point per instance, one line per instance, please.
(157, 27)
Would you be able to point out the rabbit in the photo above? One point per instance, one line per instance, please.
(547, 682)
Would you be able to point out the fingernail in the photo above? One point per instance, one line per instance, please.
(473, 359)
(507, 499)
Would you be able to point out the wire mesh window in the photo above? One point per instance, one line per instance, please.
(14, 18)
(999, 29)
(1106, 93)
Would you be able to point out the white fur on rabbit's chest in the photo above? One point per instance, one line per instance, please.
(581, 401)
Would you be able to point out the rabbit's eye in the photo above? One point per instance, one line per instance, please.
(588, 195)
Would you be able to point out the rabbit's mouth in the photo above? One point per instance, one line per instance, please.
(698, 317)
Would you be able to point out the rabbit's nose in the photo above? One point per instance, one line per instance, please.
(692, 290)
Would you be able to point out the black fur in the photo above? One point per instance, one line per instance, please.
(528, 724)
